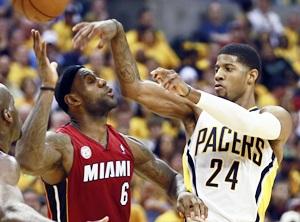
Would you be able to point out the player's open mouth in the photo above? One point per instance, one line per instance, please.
(110, 93)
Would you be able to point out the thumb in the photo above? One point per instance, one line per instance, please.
(101, 43)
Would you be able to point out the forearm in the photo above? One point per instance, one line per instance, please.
(31, 147)
(125, 64)
(13, 208)
(264, 125)
(20, 212)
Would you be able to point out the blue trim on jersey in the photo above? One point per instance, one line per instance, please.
(263, 173)
(192, 167)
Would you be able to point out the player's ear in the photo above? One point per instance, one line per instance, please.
(72, 100)
(252, 76)
(7, 116)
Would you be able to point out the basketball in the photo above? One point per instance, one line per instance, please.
(40, 10)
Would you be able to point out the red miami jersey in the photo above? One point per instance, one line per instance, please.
(98, 183)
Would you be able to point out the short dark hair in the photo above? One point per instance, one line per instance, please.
(246, 54)
(64, 85)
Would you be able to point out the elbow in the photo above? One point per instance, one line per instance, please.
(130, 92)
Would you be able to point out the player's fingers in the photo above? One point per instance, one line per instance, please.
(167, 81)
(205, 214)
(180, 210)
(79, 37)
(85, 33)
(33, 37)
(44, 49)
(186, 207)
(79, 26)
(105, 219)
(91, 34)
(196, 209)
(54, 65)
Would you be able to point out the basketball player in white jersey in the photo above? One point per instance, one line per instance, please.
(234, 149)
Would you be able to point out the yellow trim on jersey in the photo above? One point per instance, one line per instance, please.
(186, 172)
(252, 108)
(267, 191)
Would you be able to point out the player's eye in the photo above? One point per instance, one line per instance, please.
(228, 69)
(216, 69)
(90, 79)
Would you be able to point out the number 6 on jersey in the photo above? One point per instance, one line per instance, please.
(124, 194)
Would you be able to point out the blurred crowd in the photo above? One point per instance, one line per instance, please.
(193, 57)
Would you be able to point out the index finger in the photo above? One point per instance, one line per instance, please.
(79, 26)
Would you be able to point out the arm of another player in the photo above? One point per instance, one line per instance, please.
(150, 167)
(147, 93)
(12, 207)
(33, 155)
(267, 124)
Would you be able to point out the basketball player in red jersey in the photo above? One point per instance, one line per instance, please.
(12, 207)
(87, 165)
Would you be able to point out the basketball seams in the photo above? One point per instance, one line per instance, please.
(24, 9)
(38, 10)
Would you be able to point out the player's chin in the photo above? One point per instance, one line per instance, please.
(220, 92)
(113, 102)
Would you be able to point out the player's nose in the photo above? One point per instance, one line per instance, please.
(102, 82)
(219, 75)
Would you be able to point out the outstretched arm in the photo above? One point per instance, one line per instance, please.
(12, 207)
(228, 113)
(150, 167)
(31, 152)
(147, 93)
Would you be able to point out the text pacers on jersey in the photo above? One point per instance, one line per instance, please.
(104, 170)
(213, 140)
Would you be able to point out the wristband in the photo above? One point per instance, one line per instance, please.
(49, 88)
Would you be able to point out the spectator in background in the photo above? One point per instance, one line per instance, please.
(149, 42)
(5, 65)
(145, 18)
(277, 72)
(20, 68)
(31, 198)
(98, 11)
(63, 28)
(214, 27)
(264, 20)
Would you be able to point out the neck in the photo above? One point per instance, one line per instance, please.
(247, 100)
(93, 127)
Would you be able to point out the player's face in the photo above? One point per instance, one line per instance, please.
(230, 77)
(97, 97)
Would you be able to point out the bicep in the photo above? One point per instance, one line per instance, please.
(162, 102)
(51, 156)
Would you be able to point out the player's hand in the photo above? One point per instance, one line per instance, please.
(47, 70)
(191, 207)
(104, 219)
(85, 31)
(170, 80)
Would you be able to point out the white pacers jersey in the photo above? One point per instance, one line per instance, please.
(232, 173)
